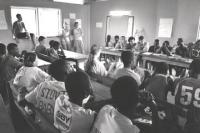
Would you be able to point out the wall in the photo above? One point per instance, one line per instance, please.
(82, 11)
(144, 12)
(147, 14)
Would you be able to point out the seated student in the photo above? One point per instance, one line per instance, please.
(154, 48)
(131, 43)
(165, 49)
(70, 115)
(41, 49)
(127, 59)
(187, 96)
(160, 84)
(93, 65)
(142, 46)
(11, 64)
(52, 52)
(123, 41)
(181, 49)
(45, 94)
(117, 118)
(117, 43)
(108, 41)
(29, 75)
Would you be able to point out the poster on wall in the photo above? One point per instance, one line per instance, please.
(79, 23)
(66, 22)
(165, 27)
(198, 31)
(72, 15)
(3, 23)
(99, 25)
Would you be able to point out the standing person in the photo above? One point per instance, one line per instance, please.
(77, 42)
(65, 37)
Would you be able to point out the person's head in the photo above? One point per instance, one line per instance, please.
(108, 38)
(95, 51)
(78, 86)
(127, 58)
(29, 59)
(161, 68)
(76, 24)
(59, 70)
(156, 42)
(56, 45)
(166, 43)
(41, 40)
(12, 49)
(123, 38)
(51, 43)
(131, 39)
(124, 92)
(141, 39)
(180, 42)
(116, 38)
(194, 70)
(19, 17)
(2, 49)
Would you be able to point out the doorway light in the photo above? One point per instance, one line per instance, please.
(120, 13)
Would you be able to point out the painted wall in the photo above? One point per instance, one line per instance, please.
(147, 14)
(82, 12)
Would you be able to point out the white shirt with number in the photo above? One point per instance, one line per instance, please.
(71, 118)
(109, 120)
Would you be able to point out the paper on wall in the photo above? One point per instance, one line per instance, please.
(3, 23)
(99, 25)
(165, 27)
(72, 15)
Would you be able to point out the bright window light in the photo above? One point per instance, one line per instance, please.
(120, 13)
(71, 1)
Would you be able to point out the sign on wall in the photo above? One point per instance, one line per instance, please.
(3, 23)
(198, 31)
(165, 27)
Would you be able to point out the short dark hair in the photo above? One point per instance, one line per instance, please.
(58, 70)
(194, 67)
(166, 42)
(94, 49)
(141, 37)
(75, 23)
(157, 40)
(161, 68)
(2, 49)
(29, 59)
(127, 58)
(18, 15)
(78, 86)
(116, 37)
(41, 38)
(124, 92)
(51, 42)
(180, 39)
(131, 38)
(11, 46)
(108, 38)
(56, 45)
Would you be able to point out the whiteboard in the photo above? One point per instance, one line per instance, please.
(165, 27)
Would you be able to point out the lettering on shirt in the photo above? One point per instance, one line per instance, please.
(64, 119)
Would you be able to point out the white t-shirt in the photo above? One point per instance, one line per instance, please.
(29, 77)
(71, 118)
(128, 72)
(109, 120)
(45, 95)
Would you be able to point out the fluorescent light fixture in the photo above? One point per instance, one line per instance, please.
(119, 13)
(71, 1)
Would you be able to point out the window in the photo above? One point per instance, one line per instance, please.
(40, 21)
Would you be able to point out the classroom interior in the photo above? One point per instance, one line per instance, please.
(99, 66)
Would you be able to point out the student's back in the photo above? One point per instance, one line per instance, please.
(109, 120)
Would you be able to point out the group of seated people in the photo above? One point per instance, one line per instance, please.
(190, 50)
(65, 96)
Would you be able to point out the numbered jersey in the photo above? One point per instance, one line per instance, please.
(188, 93)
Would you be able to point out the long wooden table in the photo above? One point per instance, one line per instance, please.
(147, 56)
